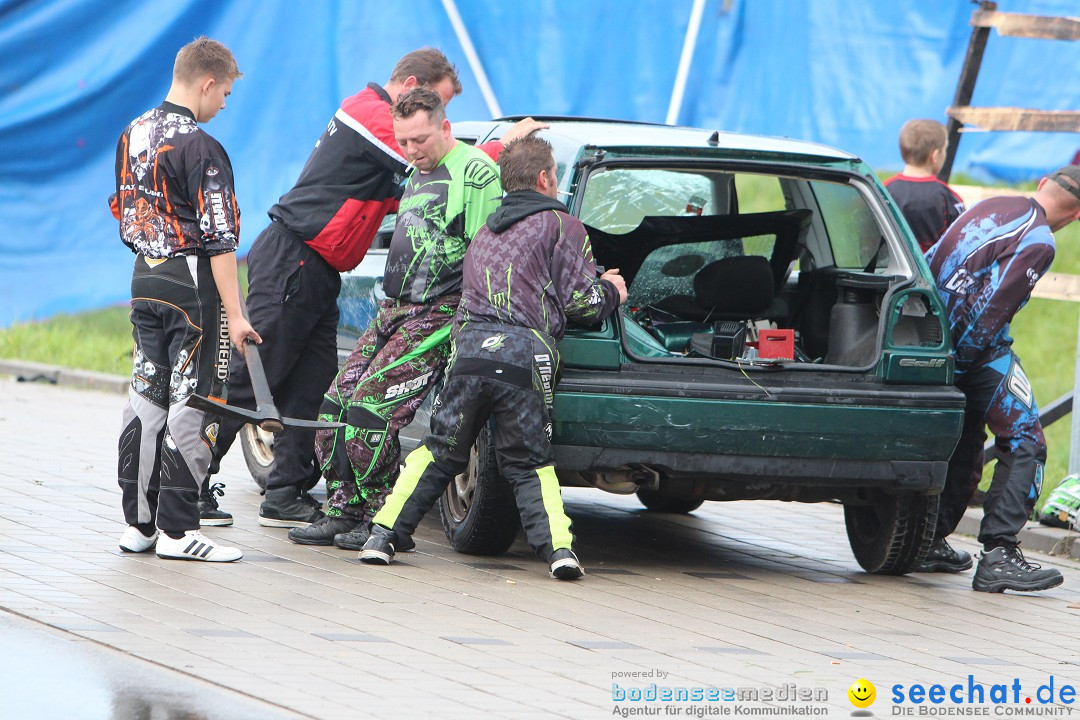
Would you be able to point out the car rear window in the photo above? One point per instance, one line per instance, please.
(617, 200)
(846, 234)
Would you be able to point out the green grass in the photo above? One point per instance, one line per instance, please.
(97, 340)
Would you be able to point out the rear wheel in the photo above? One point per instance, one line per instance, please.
(891, 533)
(478, 511)
(656, 501)
(258, 448)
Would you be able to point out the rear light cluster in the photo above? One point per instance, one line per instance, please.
(917, 322)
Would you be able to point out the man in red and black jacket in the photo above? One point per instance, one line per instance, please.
(322, 226)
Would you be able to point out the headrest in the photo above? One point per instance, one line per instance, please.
(741, 284)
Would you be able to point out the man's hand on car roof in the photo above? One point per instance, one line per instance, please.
(522, 128)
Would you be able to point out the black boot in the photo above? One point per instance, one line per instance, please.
(287, 507)
(209, 513)
(322, 531)
(379, 548)
(943, 557)
(1004, 568)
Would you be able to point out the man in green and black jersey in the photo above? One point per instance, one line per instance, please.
(449, 194)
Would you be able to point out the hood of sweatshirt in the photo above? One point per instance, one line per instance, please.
(519, 205)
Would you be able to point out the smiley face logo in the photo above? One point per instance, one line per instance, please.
(862, 693)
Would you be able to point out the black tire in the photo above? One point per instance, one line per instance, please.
(656, 501)
(889, 535)
(478, 511)
(258, 448)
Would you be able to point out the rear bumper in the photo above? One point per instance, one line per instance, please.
(737, 477)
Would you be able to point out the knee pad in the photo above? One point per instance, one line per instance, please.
(367, 425)
(330, 443)
(366, 432)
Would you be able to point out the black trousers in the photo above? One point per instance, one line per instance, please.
(181, 347)
(999, 396)
(509, 373)
(292, 304)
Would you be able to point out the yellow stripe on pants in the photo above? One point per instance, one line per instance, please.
(558, 522)
(415, 465)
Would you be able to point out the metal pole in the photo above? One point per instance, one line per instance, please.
(965, 88)
(1074, 436)
(687, 57)
(474, 60)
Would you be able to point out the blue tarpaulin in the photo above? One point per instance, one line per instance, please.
(846, 73)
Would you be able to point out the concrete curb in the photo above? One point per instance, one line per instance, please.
(25, 371)
(1034, 537)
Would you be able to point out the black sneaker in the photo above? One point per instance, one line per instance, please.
(565, 565)
(355, 540)
(379, 548)
(209, 513)
(285, 508)
(322, 531)
(942, 557)
(1004, 568)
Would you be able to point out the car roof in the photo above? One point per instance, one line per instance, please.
(606, 133)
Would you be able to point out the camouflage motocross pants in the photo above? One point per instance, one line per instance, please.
(397, 361)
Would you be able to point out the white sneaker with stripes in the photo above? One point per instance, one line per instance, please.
(195, 546)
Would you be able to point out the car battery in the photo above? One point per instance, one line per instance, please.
(729, 339)
(776, 344)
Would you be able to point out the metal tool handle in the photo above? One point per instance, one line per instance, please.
(264, 401)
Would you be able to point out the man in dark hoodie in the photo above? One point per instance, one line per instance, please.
(525, 273)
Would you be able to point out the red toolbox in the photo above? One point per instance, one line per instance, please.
(776, 344)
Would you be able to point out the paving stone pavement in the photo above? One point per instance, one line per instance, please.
(754, 595)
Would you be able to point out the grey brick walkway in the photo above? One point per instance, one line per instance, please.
(735, 595)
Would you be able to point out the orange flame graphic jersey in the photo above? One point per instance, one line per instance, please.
(174, 187)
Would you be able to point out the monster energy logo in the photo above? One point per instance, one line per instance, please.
(499, 299)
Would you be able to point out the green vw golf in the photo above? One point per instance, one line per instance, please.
(782, 340)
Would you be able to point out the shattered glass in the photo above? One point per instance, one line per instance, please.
(616, 200)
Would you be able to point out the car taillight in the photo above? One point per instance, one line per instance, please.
(916, 322)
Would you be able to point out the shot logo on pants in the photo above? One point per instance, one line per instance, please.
(373, 440)
(408, 386)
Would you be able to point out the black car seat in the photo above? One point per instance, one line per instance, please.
(732, 288)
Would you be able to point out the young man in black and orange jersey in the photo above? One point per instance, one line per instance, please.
(178, 213)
